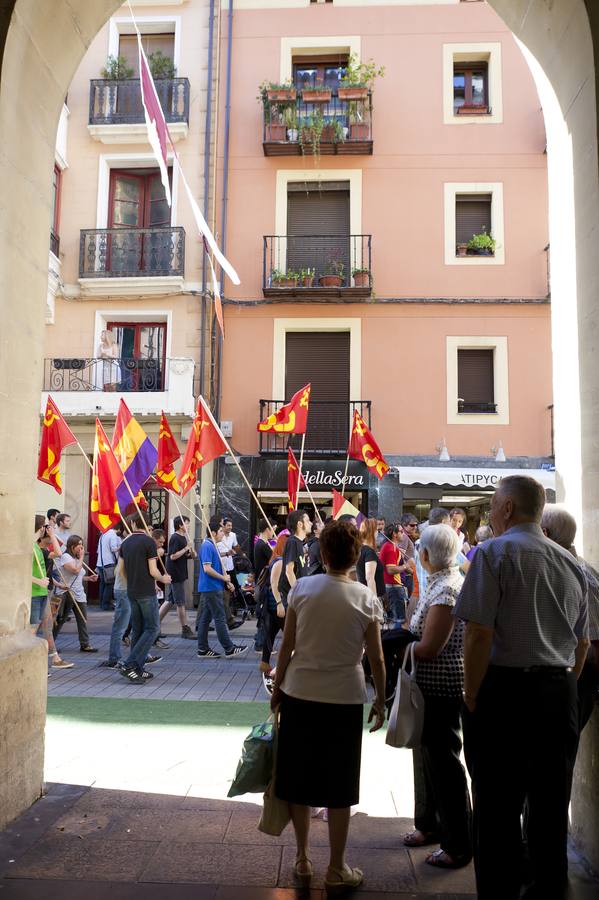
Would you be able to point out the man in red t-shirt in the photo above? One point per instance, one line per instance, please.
(394, 560)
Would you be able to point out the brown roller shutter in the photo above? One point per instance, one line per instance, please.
(475, 376)
(319, 221)
(321, 358)
(472, 215)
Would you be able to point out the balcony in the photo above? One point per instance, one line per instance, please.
(339, 126)
(116, 114)
(131, 261)
(328, 430)
(468, 406)
(90, 387)
(317, 266)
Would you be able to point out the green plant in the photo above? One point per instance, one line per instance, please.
(274, 110)
(338, 132)
(482, 241)
(290, 116)
(362, 271)
(161, 66)
(311, 132)
(306, 273)
(277, 276)
(116, 69)
(335, 266)
(359, 74)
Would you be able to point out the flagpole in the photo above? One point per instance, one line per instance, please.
(235, 460)
(301, 463)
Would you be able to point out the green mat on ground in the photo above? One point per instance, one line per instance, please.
(156, 712)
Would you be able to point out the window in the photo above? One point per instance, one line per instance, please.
(142, 351)
(318, 218)
(476, 381)
(151, 43)
(470, 88)
(137, 199)
(308, 72)
(472, 216)
(56, 186)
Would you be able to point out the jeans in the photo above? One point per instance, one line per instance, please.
(106, 591)
(122, 614)
(396, 600)
(145, 628)
(213, 607)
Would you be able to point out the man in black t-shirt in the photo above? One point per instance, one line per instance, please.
(295, 556)
(180, 550)
(262, 549)
(139, 560)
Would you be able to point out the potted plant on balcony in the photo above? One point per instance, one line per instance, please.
(116, 69)
(281, 279)
(482, 244)
(278, 93)
(359, 78)
(161, 66)
(461, 249)
(306, 277)
(310, 134)
(333, 276)
(361, 277)
(276, 100)
(317, 94)
(290, 122)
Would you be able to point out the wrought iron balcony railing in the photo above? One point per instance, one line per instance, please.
(317, 264)
(328, 428)
(295, 125)
(119, 102)
(124, 374)
(468, 406)
(131, 252)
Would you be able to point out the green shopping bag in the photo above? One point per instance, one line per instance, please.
(254, 770)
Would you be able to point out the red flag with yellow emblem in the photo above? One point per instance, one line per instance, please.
(291, 418)
(168, 453)
(106, 479)
(295, 480)
(56, 435)
(205, 444)
(363, 446)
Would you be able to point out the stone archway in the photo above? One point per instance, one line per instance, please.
(42, 45)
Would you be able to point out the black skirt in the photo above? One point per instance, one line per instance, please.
(319, 753)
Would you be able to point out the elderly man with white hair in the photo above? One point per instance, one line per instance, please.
(440, 676)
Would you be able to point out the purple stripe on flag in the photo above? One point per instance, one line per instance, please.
(137, 473)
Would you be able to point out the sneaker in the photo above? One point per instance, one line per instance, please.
(152, 659)
(134, 676)
(268, 681)
(106, 664)
(187, 633)
(62, 664)
(162, 645)
(236, 650)
(88, 649)
(208, 654)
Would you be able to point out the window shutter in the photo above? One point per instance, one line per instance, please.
(472, 215)
(319, 220)
(321, 358)
(475, 376)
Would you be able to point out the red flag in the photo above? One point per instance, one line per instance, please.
(168, 453)
(106, 479)
(363, 446)
(291, 418)
(295, 479)
(56, 435)
(338, 501)
(205, 444)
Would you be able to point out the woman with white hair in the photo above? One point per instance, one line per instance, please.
(443, 812)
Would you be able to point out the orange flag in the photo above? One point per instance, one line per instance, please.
(291, 418)
(56, 435)
(106, 478)
(168, 453)
(295, 480)
(363, 446)
(205, 444)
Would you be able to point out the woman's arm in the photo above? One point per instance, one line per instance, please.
(75, 566)
(285, 651)
(374, 652)
(370, 571)
(437, 631)
(275, 574)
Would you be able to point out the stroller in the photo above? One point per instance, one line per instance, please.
(243, 604)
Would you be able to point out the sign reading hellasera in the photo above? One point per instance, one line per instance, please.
(316, 478)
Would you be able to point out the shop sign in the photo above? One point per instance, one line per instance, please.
(320, 478)
(469, 478)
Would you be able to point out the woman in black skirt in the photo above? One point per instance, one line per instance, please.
(320, 689)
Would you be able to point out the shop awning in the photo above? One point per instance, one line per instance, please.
(469, 478)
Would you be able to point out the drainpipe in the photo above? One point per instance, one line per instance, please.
(207, 139)
(225, 190)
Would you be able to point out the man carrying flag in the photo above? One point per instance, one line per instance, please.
(291, 418)
(295, 480)
(363, 446)
(168, 453)
(56, 435)
(205, 444)
(135, 453)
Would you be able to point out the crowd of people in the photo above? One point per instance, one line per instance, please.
(506, 639)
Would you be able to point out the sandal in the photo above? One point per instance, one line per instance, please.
(303, 877)
(345, 879)
(419, 838)
(442, 860)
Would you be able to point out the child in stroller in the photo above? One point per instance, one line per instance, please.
(243, 603)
